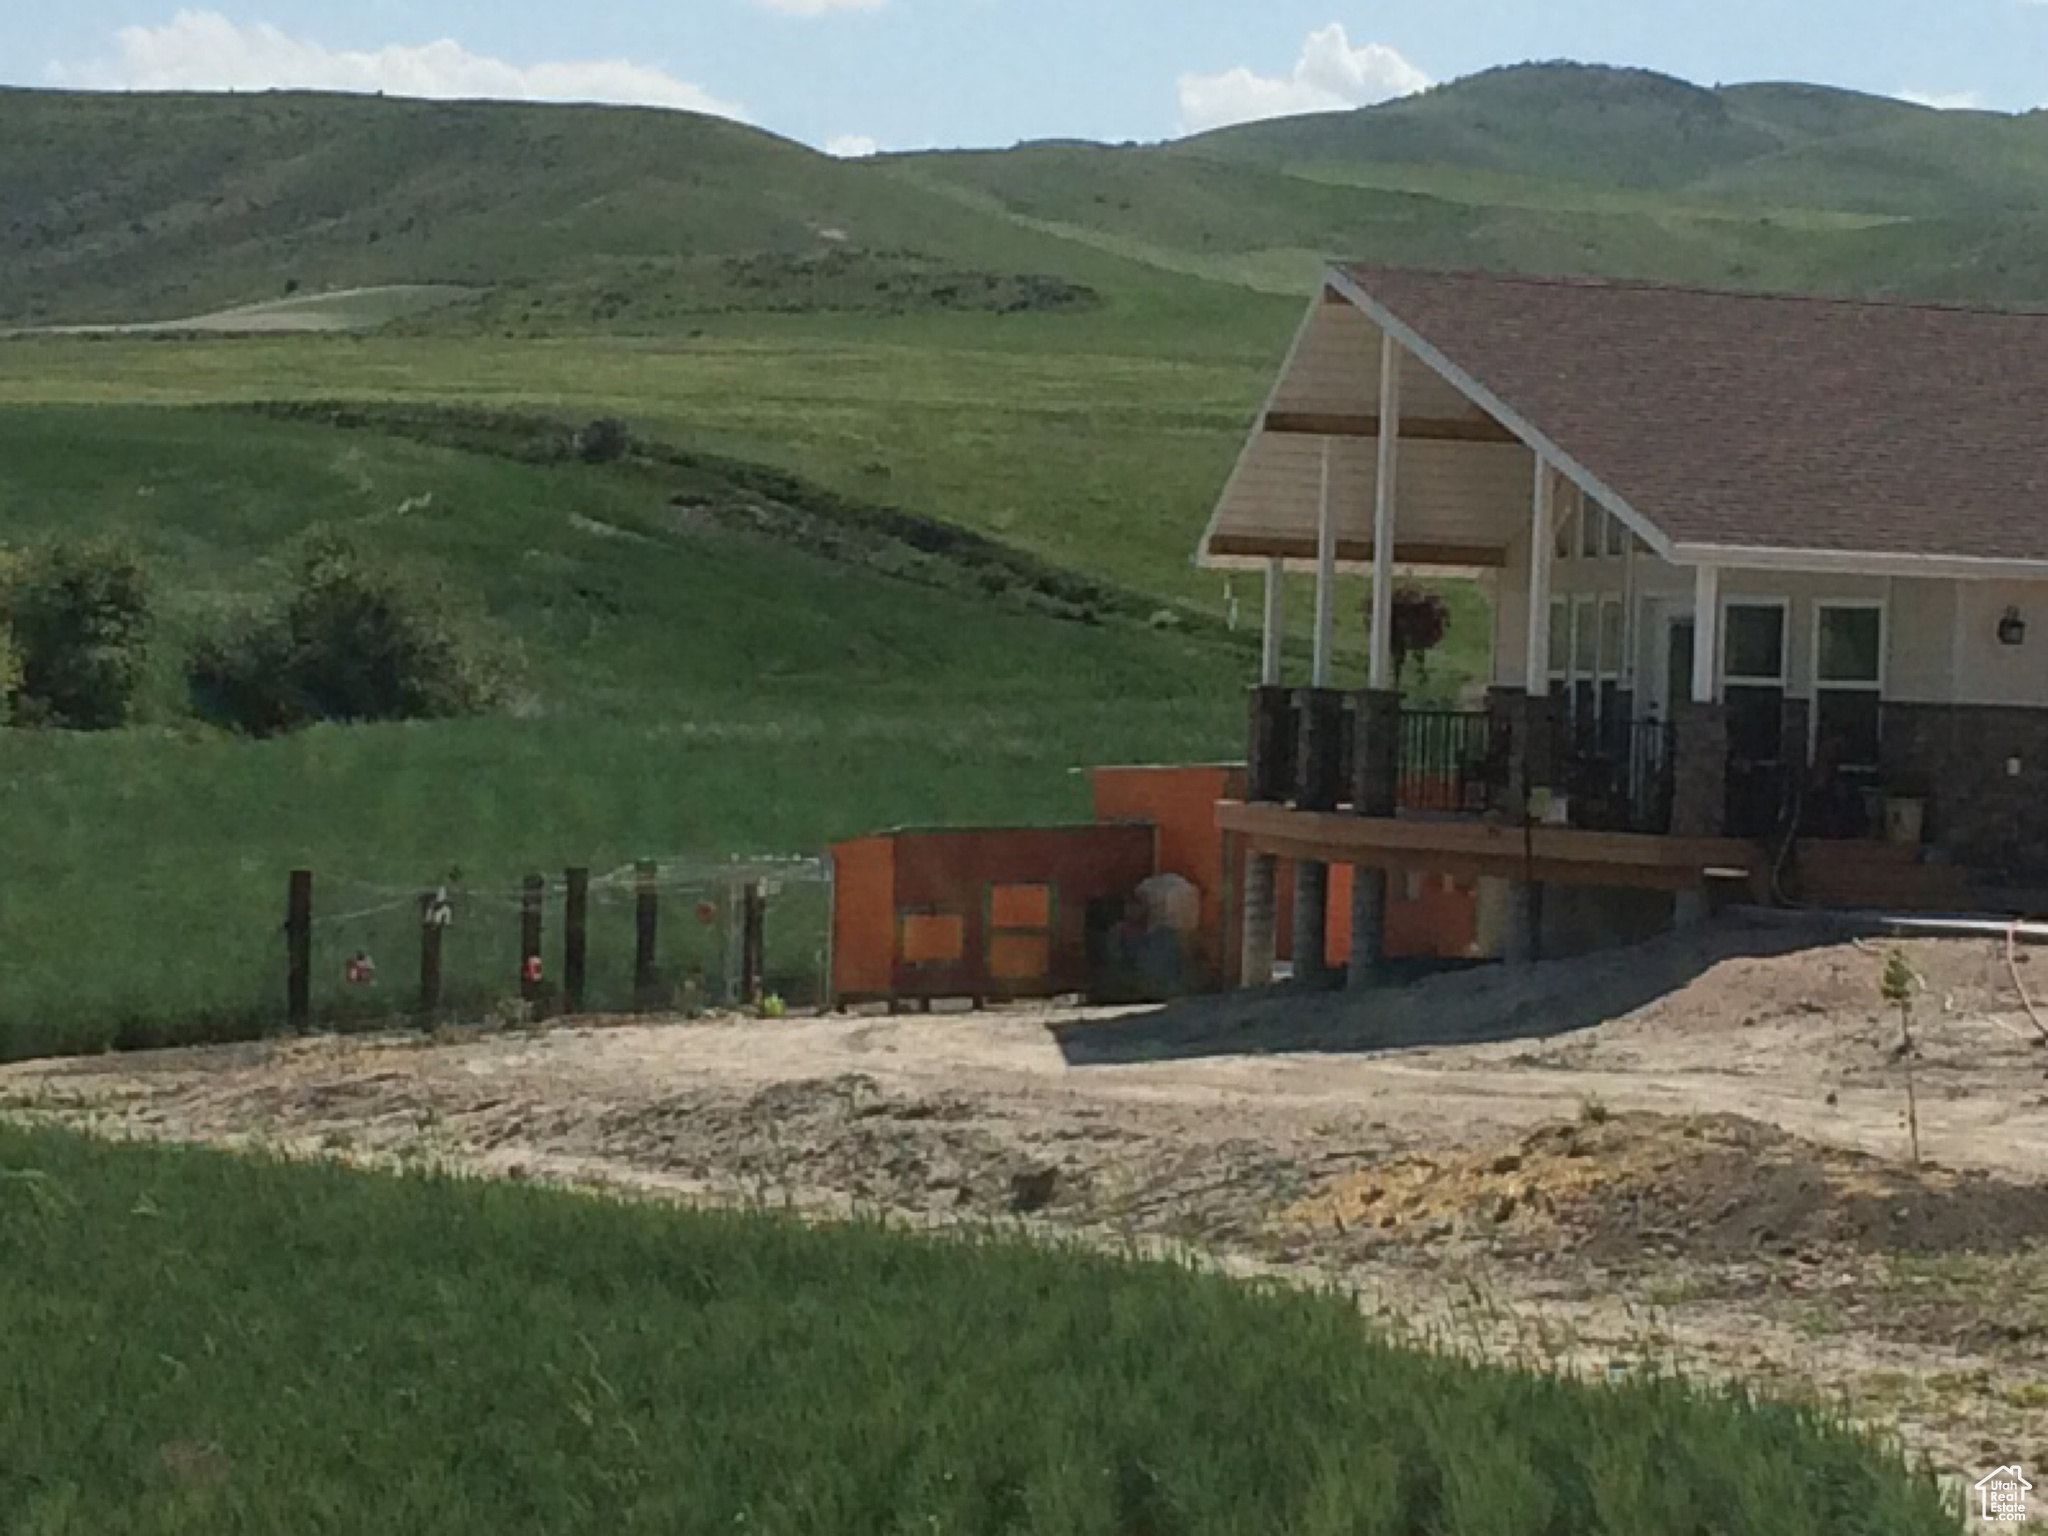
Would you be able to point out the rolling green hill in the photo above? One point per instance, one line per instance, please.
(707, 658)
(142, 208)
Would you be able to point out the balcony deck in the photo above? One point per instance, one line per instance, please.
(1474, 847)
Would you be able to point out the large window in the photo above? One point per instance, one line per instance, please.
(1753, 664)
(1848, 683)
(1586, 642)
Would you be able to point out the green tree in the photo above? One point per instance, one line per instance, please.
(79, 616)
(351, 641)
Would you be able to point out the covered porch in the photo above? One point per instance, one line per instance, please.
(1596, 752)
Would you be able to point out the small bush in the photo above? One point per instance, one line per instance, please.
(350, 643)
(603, 442)
(78, 620)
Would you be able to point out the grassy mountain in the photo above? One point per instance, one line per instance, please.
(122, 208)
(1617, 127)
(143, 207)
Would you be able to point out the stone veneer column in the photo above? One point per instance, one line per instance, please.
(1532, 766)
(1375, 791)
(1699, 749)
(1269, 776)
(1318, 787)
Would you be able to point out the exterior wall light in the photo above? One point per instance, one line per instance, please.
(2012, 629)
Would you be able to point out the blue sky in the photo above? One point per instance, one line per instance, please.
(911, 73)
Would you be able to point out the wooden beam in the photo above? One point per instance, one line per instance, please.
(1243, 546)
(1561, 855)
(1413, 429)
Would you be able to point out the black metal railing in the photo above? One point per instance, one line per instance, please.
(1619, 777)
(1453, 762)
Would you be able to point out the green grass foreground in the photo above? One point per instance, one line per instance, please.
(201, 1343)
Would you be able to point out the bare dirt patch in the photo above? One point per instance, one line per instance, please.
(1692, 1154)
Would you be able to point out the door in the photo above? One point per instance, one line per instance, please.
(1675, 677)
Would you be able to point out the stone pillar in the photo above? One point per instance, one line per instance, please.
(1269, 778)
(1318, 787)
(1376, 755)
(1532, 744)
(1261, 919)
(1269, 757)
(1375, 791)
(1369, 889)
(1699, 749)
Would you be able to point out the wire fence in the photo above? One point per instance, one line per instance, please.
(674, 935)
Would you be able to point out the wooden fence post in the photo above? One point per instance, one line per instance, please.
(753, 942)
(433, 925)
(298, 928)
(647, 917)
(576, 941)
(532, 897)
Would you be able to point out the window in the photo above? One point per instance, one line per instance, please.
(1618, 537)
(1592, 529)
(1753, 664)
(1586, 644)
(1613, 663)
(1567, 535)
(1848, 683)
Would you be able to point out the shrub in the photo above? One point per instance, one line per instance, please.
(603, 442)
(78, 619)
(350, 642)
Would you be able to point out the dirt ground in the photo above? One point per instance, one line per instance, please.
(1694, 1154)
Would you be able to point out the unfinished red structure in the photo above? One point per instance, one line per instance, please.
(1001, 914)
(982, 914)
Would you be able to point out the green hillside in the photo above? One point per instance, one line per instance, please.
(123, 208)
(141, 208)
(1617, 127)
(707, 658)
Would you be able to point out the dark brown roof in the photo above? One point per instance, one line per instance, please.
(1737, 419)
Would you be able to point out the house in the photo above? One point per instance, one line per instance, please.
(2003, 1495)
(1769, 586)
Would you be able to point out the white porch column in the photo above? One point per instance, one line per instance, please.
(1631, 619)
(1382, 675)
(1542, 551)
(1706, 633)
(1326, 573)
(1276, 623)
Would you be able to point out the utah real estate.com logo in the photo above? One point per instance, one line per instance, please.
(2002, 1497)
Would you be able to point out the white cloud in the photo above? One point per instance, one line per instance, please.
(851, 146)
(204, 51)
(1948, 101)
(1330, 75)
(828, 7)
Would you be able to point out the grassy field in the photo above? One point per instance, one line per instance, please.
(199, 1342)
(681, 685)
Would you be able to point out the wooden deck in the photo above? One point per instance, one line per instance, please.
(1550, 855)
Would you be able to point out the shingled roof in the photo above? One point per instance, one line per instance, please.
(1736, 421)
